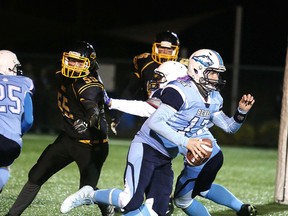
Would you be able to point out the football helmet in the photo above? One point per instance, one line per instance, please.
(165, 73)
(79, 61)
(165, 39)
(9, 64)
(201, 63)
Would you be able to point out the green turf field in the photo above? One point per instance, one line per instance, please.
(248, 173)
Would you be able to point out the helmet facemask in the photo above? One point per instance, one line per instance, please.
(79, 69)
(163, 57)
(79, 61)
(211, 84)
(165, 40)
(155, 83)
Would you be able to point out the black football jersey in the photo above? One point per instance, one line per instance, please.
(73, 97)
(143, 68)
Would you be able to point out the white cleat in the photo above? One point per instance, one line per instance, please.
(81, 197)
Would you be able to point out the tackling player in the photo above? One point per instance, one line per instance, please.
(205, 67)
(84, 138)
(165, 48)
(16, 111)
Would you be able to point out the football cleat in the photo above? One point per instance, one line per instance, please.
(170, 210)
(106, 210)
(81, 197)
(247, 210)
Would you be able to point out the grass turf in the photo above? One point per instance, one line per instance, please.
(247, 172)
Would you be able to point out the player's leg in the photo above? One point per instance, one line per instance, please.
(220, 194)
(4, 177)
(38, 175)
(114, 196)
(196, 208)
(9, 151)
(90, 160)
(24, 199)
(145, 209)
(194, 180)
(161, 185)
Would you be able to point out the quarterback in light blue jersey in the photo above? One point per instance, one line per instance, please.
(190, 106)
(16, 111)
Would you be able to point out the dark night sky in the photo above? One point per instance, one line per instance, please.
(121, 30)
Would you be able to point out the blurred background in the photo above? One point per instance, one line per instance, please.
(251, 37)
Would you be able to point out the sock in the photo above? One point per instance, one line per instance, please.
(24, 199)
(4, 176)
(221, 195)
(108, 196)
(196, 208)
(144, 210)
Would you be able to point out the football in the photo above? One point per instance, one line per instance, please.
(192, 161)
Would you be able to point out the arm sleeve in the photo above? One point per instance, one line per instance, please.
(133, 107)
(228, 124)
(27, 118)
(91, 96)
(158, 124)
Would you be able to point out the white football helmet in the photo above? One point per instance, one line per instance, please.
(165, 73)
(201, 63)
(9, 64)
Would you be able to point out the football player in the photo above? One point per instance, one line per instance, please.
(83, 139)
(165, 47)
(192, 99)
(16, 111)
(166, 72)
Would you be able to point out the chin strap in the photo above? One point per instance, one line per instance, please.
(202, 90)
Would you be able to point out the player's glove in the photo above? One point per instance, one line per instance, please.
(80, 126)
(107, 99)
(114, 124)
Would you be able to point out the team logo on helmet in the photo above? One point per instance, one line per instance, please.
(205, 60)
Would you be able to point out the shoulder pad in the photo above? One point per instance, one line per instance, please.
(142, 55)
(184, 61)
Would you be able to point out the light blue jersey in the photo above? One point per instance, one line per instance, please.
(186, 121)
(13, 91)
(190, 115)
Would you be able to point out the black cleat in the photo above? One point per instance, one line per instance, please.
(247, 210)
(106, 210)
(170, 210)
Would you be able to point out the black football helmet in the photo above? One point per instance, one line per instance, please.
(165, 39)
(84, 57)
